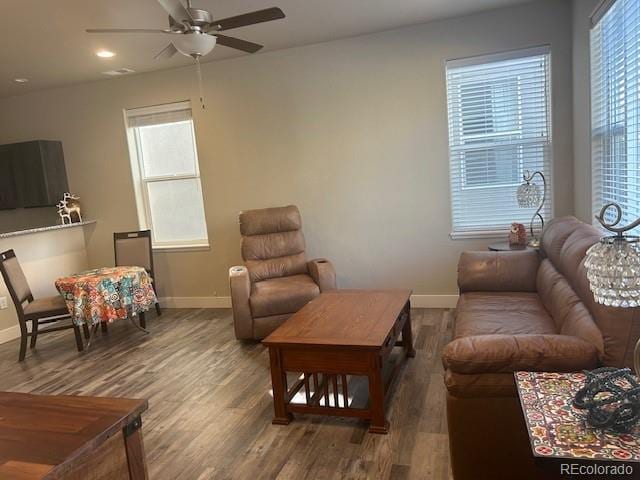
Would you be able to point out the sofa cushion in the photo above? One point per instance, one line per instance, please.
(270, 220)
(273, 255)
(570, 315)
(279, 296)
(509, 313)
(513, 271)
(564, 242)
(272, 245)
(272, 242)
(260, 270)
(472, 385)
(508, 353)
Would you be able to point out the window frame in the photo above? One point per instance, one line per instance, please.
(141, 181)
(490, 231)
(614, 130)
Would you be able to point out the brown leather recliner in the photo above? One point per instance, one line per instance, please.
(523, 310)
(277, 280)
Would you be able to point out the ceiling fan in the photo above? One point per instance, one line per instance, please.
(195, 32)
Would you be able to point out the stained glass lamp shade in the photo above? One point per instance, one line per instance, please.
(613, 267)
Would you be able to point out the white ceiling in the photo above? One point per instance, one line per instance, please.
(45, 41)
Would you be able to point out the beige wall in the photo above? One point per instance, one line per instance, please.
(353, 131)
(44, 257)
(581, 10)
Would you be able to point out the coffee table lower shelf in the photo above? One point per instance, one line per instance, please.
(323, 371)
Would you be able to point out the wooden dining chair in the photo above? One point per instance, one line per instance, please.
(39, 311)
(133, 249)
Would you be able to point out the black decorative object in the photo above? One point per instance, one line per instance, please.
(611, 397)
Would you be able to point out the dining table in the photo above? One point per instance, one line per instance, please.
(104, 295)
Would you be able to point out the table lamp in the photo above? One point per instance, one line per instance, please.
(529, 195)
(613, 267)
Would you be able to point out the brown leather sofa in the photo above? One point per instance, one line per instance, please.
(277, 280)
(523, 310)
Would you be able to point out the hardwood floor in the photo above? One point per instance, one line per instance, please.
(210, 406)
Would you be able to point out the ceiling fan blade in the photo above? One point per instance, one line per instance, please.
(126, 30)
(238, 44)
(176, 10)
(167, 52)
(252, 18)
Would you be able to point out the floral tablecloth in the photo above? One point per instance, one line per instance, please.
(107, 294)
(558, 429)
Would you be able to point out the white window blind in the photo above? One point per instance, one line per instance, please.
(499, 127)
(164, 163)
(615, 108)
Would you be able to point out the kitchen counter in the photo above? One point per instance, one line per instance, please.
(46, 229)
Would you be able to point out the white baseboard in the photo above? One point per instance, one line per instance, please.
(9, 334)
(417, 301)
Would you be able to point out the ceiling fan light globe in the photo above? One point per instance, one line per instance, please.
(194, 44)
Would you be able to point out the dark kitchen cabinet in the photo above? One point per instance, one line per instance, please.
(36, 171)
(8, 193)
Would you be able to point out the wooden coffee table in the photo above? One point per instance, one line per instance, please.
(340, 333)
(71, 437)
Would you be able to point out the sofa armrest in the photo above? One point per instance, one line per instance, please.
(509, 353)
(513, 271)
(240, 286)
(323, 273)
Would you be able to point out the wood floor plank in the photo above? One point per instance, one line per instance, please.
(210, 405)
(430, 459)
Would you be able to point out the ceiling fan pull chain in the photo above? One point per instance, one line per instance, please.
(199, 71)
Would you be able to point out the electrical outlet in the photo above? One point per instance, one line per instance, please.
(3, 303)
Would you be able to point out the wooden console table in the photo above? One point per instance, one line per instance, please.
(505, 247)
(340, 333)
(71, 437)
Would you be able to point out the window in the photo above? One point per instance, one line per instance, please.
(499, 127)
(164, 164)
(615, 108)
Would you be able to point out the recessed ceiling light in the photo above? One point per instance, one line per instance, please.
(105, 54)
(20, 80)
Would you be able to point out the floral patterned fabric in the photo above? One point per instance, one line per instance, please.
(558, 429)
(107, 294)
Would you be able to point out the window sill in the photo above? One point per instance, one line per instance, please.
(479, 234)
(205, 247)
